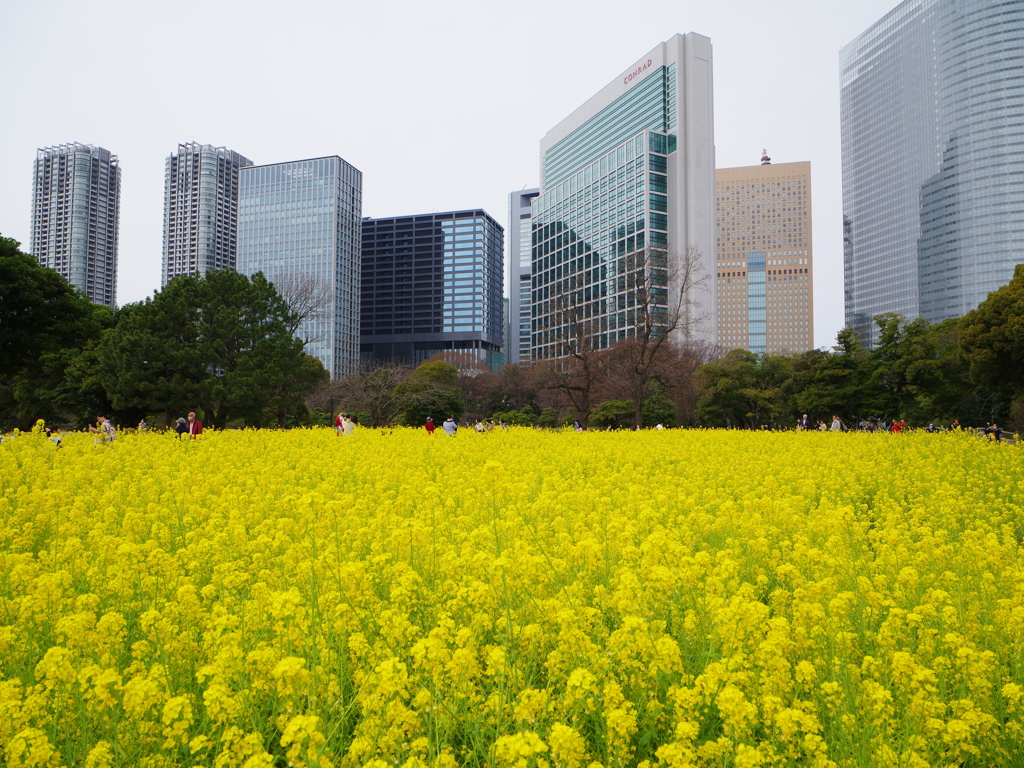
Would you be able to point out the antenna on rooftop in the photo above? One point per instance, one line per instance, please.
(765, 160)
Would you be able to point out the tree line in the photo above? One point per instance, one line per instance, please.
(970, 369)
(224, 344)
(220, 344)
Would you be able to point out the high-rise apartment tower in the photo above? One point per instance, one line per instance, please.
(627, 194)
(765, 258)
(299, 224)
(932, 118)
(520, 261)
(200, 210)
(76, 195)
(432, 285)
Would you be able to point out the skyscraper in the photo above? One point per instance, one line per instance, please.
(520, 261)
(200, 210)
(932, 117)
(299, 224)
(432, 284)
(632, 169)
(76, 190)
(765, 258)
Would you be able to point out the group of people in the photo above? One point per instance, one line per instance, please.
(449, 425)
(191, 426)
(991, 431)
(104, 430)
(344, 424)
(804, 424)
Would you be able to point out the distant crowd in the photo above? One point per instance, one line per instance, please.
(191, 428)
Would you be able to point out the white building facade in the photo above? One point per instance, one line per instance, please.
(76, 199)
(520, 262)
(200, 210)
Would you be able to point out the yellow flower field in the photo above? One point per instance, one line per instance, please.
(517, 598)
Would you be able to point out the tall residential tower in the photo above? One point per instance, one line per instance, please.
(299, 224)
(628, 195)
(200, 210)
(932, 119)
(76, 191)
(765, 258)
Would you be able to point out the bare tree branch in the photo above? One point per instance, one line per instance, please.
(664, 315)
(310, 298)
(576, 370)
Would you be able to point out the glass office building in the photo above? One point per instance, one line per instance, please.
(200, 210)
(932, 116)
(299, 224)
(432, 285)
(76, 198)
(632, 169)
(520, 262)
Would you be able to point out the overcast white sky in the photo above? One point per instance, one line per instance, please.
(440, 105)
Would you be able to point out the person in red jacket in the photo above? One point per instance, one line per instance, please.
(195, 426)
(897, 426)
(429, 426)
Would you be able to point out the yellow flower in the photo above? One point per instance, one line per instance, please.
(30, 747)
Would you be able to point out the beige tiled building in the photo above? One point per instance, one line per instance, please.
(765, 258)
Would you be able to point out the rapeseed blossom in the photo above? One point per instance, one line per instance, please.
(515, 598)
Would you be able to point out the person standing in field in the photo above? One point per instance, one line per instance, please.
(348, 423)
(429, 426)
(450, 427)
(804, 423)
(897, 426)
(105, 429)
(339, 424)
(479, 426)
(837, 425)
(180, 427)
(195, 426)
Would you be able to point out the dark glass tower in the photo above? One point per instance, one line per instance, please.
(432, 284)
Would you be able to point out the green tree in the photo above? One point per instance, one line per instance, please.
(658, 407)
(42, 319)
(832, 383)
(613, 413)
(743, 389)
(288, 394)
(919, 374)
(992, 341)
(432, 393)
(218, 343)
(64, 387)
